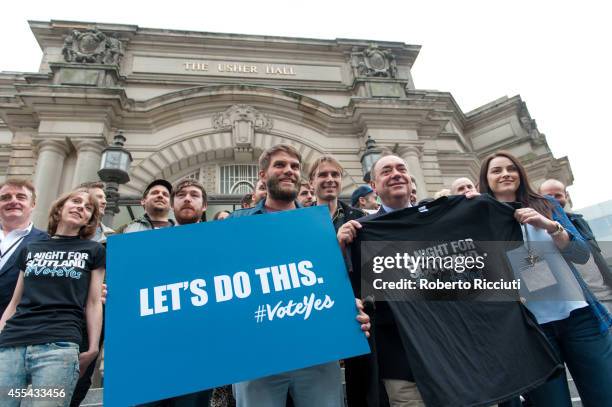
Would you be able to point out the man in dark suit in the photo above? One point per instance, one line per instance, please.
(392, 182)
(17, 200)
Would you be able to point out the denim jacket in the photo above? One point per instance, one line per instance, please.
(578, 252)
(258, 209)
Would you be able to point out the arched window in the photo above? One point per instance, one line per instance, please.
(237, 179)
(241, 188)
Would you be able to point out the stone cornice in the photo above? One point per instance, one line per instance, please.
(490, 112)
(509, 144)
(163, 110)
(45, 30)
(68, 101)
(55, 66)
(459, 164)
(414, 149)
(427, 113)
(8, 79)
(51, 33)
(94, 145)
(443, 101)
(546, 166)
(16, 116)
(194, 44)
(59, 146)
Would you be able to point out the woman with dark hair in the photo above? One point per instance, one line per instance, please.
(59, 285)
(576, 325)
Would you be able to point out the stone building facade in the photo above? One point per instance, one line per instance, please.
(205, 105)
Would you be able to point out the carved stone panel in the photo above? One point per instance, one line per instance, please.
(243, 121)
(374, 62)
(92, 46)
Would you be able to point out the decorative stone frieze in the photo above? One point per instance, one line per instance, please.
(92, 46)
(374, 62)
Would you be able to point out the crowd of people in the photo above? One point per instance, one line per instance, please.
(52, 292)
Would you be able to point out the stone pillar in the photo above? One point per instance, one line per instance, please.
(89, 153)
(412, 155)
(47, 177)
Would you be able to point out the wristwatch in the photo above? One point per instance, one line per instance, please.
(558, 230)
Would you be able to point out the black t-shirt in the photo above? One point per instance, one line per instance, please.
(56, 283)
(461, 347)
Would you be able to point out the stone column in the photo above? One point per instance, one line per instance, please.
(412, 155)
(89, 153)
(47, 177)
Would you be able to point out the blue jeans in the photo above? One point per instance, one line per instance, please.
(588, 356)
(51, 368)
(319, 386)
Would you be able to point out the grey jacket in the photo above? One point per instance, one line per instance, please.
(139, 225)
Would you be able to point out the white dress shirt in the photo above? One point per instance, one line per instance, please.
(389, 209)
(11, 242)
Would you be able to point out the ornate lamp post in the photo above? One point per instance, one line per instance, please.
(114, 167)
(369, 157)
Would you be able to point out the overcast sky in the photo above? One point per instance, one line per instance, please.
(555, 54)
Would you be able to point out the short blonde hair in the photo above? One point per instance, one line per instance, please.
(266, 156)
(324, 159)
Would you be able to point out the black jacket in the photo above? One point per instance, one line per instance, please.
(344, 213)
(10, 271)
(364, 386)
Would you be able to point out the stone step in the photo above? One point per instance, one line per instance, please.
(93, 398)
(576, 402)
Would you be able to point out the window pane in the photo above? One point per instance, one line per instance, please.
(238, 179)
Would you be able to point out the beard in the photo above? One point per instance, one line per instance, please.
(276, 191)
(193, 217)
(151, 207)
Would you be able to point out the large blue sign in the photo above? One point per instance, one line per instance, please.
(204, 305)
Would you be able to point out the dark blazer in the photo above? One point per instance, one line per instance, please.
(9, 272)
(387, 360)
